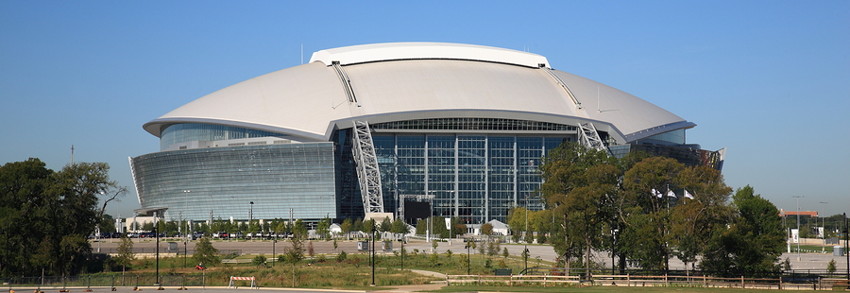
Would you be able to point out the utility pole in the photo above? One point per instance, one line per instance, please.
(846, 239)
(799, 258)
(156, 234)
(374, 227)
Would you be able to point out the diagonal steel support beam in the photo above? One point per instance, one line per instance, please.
(367, 168)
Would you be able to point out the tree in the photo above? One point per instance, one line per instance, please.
(368, 226)
(386, 225)
(346, 226)
(517, 221)
(299, 230)
(125, 252)
(458, 228)
(107, 224)
(323, 228)
(56, 210)
(648, 222)
(579, 184)
(294, 254)
(399, 227)
(753, 241)
(487, 229)
(205, 253)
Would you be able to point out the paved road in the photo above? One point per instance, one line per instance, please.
(805, 261)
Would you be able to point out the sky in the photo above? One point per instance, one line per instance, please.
(767, 80)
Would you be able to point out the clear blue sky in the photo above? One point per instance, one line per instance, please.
(769, 80)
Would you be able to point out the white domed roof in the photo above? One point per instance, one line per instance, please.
(402, 81)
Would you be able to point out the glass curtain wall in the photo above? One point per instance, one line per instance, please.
(220, 183)
(475, 177)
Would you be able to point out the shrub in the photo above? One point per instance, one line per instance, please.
(259, 260)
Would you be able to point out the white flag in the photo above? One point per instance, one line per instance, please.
(670, 193)
(688, 194)
(656, 193)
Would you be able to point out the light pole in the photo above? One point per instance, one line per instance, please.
(274, 252)
(452, 226)
(823, 227)
(374, 227)
(525, 252)
(430, 220)
(250, 212)
(156, 234)
(798, 227)
(846, 239)
(468, 261)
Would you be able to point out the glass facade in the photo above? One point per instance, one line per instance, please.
(186, 132)
(220, 183)
(475, 177)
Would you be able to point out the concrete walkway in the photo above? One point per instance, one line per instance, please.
(436, 285)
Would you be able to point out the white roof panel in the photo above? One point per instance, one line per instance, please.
(308, 100)
(406, 51)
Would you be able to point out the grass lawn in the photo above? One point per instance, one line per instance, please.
(354, 272)
(594, 289)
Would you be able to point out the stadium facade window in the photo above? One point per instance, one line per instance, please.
(474, 177)
(219, 183)
(186, 132)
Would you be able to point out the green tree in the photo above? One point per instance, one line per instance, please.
(125, 253)
(107, 224)
(205, 253)
(56, 210)
(323, 228)
(293, 255)
(517, 221)
(368, 226)
(399, 227)
(579, 184)
(421, 226)
(346, 226)
(648, 221)
(299, 230)
(357, 225)
(693, 220)
(753, 241)
(386, 225)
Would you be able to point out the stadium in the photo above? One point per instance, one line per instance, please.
(381, 128)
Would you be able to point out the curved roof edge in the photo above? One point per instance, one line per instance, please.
(407, 51)
(658, 130)
(463, 113)
(155, 127)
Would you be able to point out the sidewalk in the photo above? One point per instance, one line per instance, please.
(419, 288)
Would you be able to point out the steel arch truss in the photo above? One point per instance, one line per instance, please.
(367, 168)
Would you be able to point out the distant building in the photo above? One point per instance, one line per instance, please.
(359, 129)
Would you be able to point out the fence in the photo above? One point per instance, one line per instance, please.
(126, 280)
(648, 281)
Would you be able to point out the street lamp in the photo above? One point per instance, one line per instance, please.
(374, 227)
(469, 244)
(525, 252)
(846, 240)
(250, 212)
(798, 226)
(823, 227)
